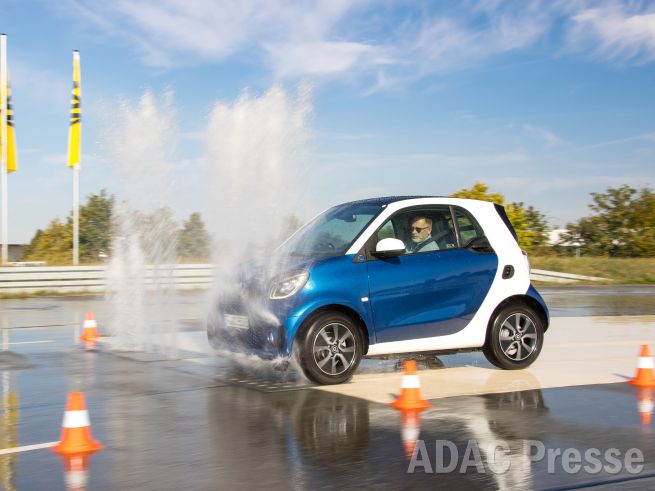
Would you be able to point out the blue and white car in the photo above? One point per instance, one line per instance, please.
(352, 283)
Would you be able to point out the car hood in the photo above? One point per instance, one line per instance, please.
(255, 276)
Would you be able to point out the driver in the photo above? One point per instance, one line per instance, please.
(421, 239)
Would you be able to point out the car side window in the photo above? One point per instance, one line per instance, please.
(468, 227)
(422, 230)
(386, 231)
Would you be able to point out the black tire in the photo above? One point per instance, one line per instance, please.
(328, 359)
(515, 338)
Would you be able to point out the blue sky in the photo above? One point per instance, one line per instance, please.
(544, 101)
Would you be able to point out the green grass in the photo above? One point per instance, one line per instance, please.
(615, 270)
(49, 293)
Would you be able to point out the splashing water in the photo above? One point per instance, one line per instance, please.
(254, 178)
(255, 167)
(141, 288)
(257, 177)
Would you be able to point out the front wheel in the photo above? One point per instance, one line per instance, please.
(515, 338)
(331, 349)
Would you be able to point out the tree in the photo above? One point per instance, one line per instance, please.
(536, 221)
(623, 224)
(35, 240)
(530, 225)
(643, 238)
(55, 243)
(194, 241)
(96, 228)
(479, 191)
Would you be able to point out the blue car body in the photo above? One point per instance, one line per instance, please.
(437, 301)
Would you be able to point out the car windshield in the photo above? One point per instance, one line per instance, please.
(332, 232)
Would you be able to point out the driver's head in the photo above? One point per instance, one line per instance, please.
(420, 228)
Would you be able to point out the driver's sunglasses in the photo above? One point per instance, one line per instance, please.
(418, 229)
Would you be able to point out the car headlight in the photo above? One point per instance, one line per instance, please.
(286, 286)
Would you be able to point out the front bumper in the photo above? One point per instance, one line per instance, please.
(263, 338)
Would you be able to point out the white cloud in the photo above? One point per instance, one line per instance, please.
(447, 43)
(644, 137)
(443, 42)
(316, 58)
(388, 45)
(615, 32)
(548, 136)
(427, 160)
(311, 37)
(202, 28)
(168, 31)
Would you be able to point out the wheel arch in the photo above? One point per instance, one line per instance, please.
(526, 300)
(359, 322)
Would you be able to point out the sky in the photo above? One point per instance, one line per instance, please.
(545, 102)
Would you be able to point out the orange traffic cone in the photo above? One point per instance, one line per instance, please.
(410, 428)
(76, 429)
(645, 405)
(644, 376)
(410, 389)
(90, 333)
(76, 472)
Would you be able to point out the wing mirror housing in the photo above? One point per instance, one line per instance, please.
(389, 247)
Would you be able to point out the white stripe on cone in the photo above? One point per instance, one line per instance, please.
(88, 323)
(645, 362)
(410, 382)
(646, 406)
(76, 419)
(410, 434)
(77, 479)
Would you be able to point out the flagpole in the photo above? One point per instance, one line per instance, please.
(5, 146)
(76, 214)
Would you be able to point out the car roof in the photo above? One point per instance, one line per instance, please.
(385, 200)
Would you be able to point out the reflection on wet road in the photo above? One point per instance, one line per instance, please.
(197, 422)
(167, 429)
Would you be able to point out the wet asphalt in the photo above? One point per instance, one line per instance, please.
(178, 424)
(576, 301)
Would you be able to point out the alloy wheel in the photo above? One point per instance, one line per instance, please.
(334, 349)
(518, 336)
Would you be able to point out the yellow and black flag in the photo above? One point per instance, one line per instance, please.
(12, 156)
(75, 130)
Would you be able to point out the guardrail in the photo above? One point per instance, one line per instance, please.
(63, 279)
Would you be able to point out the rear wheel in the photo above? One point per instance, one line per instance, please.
(331, 349)
(515, 338)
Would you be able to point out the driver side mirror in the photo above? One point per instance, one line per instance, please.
(389, 247)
